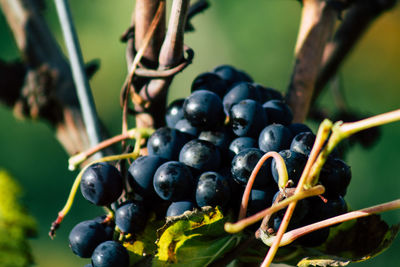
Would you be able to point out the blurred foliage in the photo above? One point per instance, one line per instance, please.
(257, 36)
(15, 225)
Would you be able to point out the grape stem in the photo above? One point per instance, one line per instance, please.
(77, 159)
(291, 236)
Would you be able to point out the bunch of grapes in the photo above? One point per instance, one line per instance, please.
(204, 156)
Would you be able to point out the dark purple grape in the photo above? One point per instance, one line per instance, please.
(184, 126)
(211, 82)
(243, 164)
(85, 237)
(333, 207)
(110, 254)
(204, 109)
(141, 173)
(245, 77)
(242, 143)
(201, 155)
(274, 137)
(229, 74)
(295, 163)
(212, 190)
(303, 143)
(239, 92)
(296, 128)
(278, 112)
(220, 138)
(108, 226)
(173, 181)
(313, 239)
(174, 112)
(248, 118)
(267, 93)
(179, 207)
(259, 200)
(101, 184)
(131, 217)
(166, 142)
(335, 176)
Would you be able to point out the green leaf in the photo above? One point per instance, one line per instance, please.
(322, 261)
(352, 241)
(195, 239)
(372, 232)
(15, 225)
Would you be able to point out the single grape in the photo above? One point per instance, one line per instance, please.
(212, 190)
(220, 137)
(335, 176)
(166, 142)
(243, 164)
(242, 143)
(211, 82)
(179, 207)
(174, 112)
(229, 74)
(173, 181)
(303, 143)
(101, 184)
(296, 128)
(267, 93)
(200, 155)
(141, 173)
(274, 137)
(85, 237)
(278, 112)
(184, 126)
(295, 163)
(248, 118)
(239, 92)
(131, 217)
(204, 109)
(110, 254)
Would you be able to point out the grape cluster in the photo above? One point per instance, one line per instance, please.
(204, 157)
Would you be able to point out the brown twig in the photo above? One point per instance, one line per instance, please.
(145, 11)
(357, 20)
(171, 55)
(317, 25)
(48, 91)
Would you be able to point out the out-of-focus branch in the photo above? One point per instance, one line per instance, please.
(171, 54)
(357, 20)
(316, 28)
(48, 91)
(81, 81)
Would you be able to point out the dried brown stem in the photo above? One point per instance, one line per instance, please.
(171, 55)
(317, 25)
(145, 11)
(357, 20)
(48, 91)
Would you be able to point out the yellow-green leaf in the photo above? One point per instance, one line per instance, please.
(16, 225)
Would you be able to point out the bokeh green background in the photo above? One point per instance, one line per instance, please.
(257, 36)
